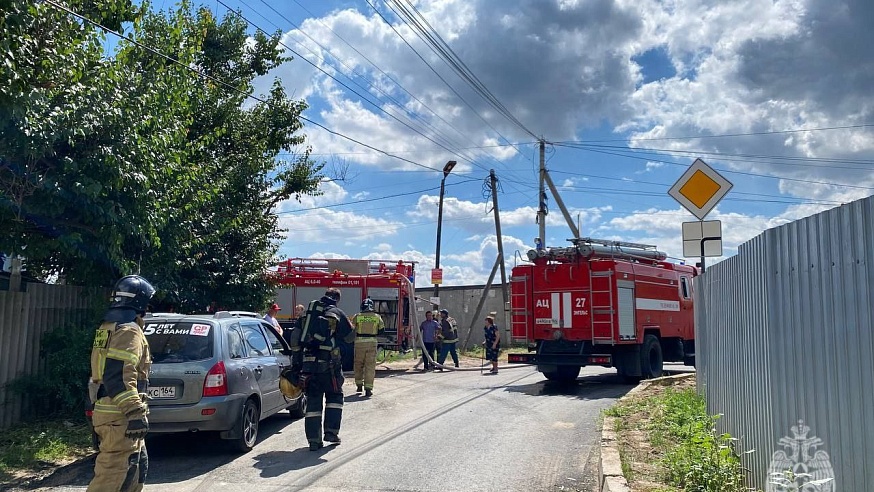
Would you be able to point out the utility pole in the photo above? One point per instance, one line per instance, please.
(494, 183)
(541, 194)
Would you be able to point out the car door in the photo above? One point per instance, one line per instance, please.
(264, 365)
(277, 345)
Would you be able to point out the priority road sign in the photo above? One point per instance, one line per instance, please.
(700, 188)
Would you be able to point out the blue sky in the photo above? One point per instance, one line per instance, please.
(627, 93)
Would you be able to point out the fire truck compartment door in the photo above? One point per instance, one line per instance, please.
(626, 313)
(383, 293)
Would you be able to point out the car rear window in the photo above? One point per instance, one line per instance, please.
(179, 342)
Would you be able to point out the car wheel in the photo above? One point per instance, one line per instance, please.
(248, 427)
(299, 410)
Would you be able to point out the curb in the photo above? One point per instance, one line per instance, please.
(610, 477)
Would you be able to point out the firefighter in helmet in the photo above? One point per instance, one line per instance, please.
(317, 366)
(368, 324)
(120, 362)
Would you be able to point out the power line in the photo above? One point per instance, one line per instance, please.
(226, 85)
(724, 135)
(420, 25)
(364, 98)
(398, 84)
(727, 171)
(370, 3)
(755, 158)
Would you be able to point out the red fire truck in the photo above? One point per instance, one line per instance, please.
(606, 303)
(301, 280)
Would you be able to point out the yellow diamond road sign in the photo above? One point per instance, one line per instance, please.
(700, 188)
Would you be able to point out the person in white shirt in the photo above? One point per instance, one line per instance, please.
(270, 317)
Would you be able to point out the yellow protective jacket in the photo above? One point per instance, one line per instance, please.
(367, 325)
(120, 362)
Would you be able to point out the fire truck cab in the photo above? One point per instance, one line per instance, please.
(601, 302)
(301, 280)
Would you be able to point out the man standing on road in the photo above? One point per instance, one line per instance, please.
(449, 335)
(317, 362)
(368, 324)
(120, 362)
(429, 329)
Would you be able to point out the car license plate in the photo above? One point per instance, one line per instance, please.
(160, 392)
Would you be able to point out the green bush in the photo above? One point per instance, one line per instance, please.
(701, 460)
(60, 389)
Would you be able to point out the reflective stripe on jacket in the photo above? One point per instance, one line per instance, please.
(368, 323)
(120, 363)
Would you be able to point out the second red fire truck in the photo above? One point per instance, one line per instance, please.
(601, 302)
(301, 280)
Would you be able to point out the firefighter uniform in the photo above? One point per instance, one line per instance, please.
(120, 362)
(367, 324)
(316, 356)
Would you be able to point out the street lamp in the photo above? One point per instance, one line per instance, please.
(446, 170)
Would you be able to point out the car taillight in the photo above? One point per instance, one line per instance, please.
(216, 382)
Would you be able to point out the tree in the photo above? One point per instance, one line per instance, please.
(137, 163)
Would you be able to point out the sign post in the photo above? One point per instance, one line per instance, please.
(699, 189)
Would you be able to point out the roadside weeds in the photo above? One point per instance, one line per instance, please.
(659, 438)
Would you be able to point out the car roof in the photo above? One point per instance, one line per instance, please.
(217, 316)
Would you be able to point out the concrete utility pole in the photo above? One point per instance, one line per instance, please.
(541, 196)
(494, 183)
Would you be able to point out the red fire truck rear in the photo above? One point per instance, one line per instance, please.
(606, 303)
(301, 280)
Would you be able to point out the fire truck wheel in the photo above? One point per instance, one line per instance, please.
(651, 361)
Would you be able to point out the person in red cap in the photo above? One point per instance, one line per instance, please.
(270, 317)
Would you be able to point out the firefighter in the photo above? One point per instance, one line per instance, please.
(317, 366)
(120, 362)
(367, 324)
(449, 335)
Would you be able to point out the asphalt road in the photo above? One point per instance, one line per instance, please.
(419, 432)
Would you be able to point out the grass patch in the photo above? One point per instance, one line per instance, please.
(386, 356)
(33, 445)
(668, 442)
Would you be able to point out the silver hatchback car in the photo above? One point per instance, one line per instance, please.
(216, 373)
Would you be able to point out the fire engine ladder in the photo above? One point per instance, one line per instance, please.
(601, 285)
(519, 316)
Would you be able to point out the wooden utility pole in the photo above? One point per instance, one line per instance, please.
(541, 196)
(494, 183)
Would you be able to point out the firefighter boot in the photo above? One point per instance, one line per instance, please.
(368, 393)
(358, 389)
(332, 438)
(315, 446)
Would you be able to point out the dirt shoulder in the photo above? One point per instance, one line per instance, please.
(643, 462)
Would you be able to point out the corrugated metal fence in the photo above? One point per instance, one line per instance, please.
(786, 350)
(24, 318)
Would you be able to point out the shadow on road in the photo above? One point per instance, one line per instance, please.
(170, 458)
(588, 387)
(585, 387)
(275, 463)
(170, 455)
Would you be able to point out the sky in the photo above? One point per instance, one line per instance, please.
(773, 94)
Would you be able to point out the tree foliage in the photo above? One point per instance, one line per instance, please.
(136, 163)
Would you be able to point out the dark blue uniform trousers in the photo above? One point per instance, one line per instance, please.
(324, 387)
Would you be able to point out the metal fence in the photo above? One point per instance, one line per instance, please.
(785, 351)
(24, 318)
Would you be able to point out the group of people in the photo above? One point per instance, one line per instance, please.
(120, 364)
(444, 333)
